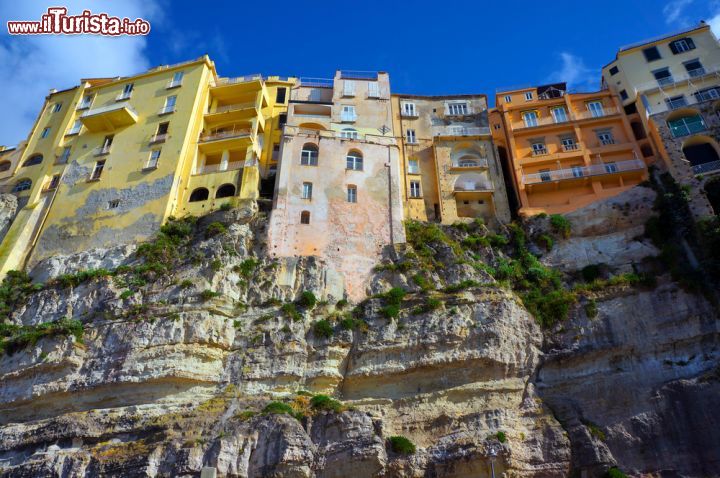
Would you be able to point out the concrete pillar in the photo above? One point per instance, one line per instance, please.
(224, 160)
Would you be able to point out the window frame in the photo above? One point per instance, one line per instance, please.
(354, 158)
(352, 193)
(416, 168)
(312, 159)
(647, 55)
(307, 190)
(415, 189)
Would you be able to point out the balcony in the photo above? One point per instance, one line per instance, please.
(687, 77)
(539, 152)
(109, 118)
(219, 167)
(596, 114)
(238, 79)
(453, 131)
(544, 121)
(711, 167)
(473, 187)
(239, 138)
(225, 134)
(570, 147)
(579, 172)
(232, 112)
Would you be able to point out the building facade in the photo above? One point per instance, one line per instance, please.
(566, 150)
(448, 163)
(337, 192)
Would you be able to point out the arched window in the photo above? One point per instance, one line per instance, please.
(5, 165)
(468, 162)
(200, 194)
(33, 160)
(22, 185)
(225, 191)
(305, 217)
(354, 160)
(349, 133)
(309, 154)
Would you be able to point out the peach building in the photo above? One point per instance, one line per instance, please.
(337, 190)
(566, 150)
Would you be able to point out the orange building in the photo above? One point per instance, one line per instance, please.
(565, 150)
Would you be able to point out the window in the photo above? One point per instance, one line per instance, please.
(54, 182)
(45, 133)
(282, 119)
(57, 107)
(64, 156)
(126, 93)
(614, 71)
(508, 99)
(528, 96)
(349, 133)
(539, 149)
(169, 105)
(348, 88)
(559, 115)
(5, 165)
(623, 95)
(373, 89)
(309, 155)
(611, 168)
(457, 109)
(225, 191)
(97, 170)
(280, 95)
(605, 137)
(468, 162)
(687, 125)
(276, 152)
(354, 161)
(596, 109)
(415, 189)
(348, 113)
(352, 193)
(113, 204)
(676, 102)
(694, 68)
(545, 175)
(413, 166)
(76, 127)
(663, 76)
(408, 109)
(85, 102)
(176, 80)
(410, 136)
(709, 94)
(577, 171)
(199, 194)
(154, 158)
(33, 160)
(105, 148)
(682, 45)
(651, 54)
(530, 118)
(496, 126)
(22, 185)
(307, 191)
(569, 144)
(305, 217)
(161, 133)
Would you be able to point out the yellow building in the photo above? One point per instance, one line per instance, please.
(111, 159)
(448, 164)
(566, 150)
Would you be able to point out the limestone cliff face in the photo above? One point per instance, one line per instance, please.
(174, 369)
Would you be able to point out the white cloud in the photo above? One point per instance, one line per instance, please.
(674, 12)
(32, 65)
(574, 72)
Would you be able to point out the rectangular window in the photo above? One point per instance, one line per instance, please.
(176, 80)
(169, 105)
(623, 95)
(352, 194)
(154, 158)
(528, 96)
(348, 113)
(349, 133)
(45, 133)
(694, 68)
(709, 94)
(508, 99)
(54, 182)
(606, 138)
(559, 115)
(569, 144)
(413, 166)
(408, 109)
(545, 175)
(162, 129)
(307, 191)
(682, 45)
(276, 152)
(539, 149)
(596, 109)
(373, 89)
(530, 118)
(676, 102)
(280, 95)
(614, 71)
(410, 136)
(282, 119)
(651, 54)
(64, 156)
(611, 168)
(85, 102)
(126, 93)
(415, 189)
(97, 170)
(57, 107)
(76, 127)
(663, 76)
(348, 88)
(114, 204)
(577, 171)
(106, 145)
(457, 109)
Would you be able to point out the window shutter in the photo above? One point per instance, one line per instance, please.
(690, 43)
(673, 48)
(373, 89)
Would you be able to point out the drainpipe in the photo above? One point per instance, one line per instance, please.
(388, 165)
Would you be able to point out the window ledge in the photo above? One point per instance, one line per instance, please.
(93, 180)
(149, 168)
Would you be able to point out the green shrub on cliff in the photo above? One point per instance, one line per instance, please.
(400, 444)
(16, 337)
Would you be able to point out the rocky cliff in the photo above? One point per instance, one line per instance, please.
(197, 352)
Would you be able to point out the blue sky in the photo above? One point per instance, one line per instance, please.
(428, 47)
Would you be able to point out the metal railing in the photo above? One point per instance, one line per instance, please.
(83, 105)
(216, 135)
(317, 82)
(584, 171)
(220, 167)
(539, 152)
(409, 113)
(474, 163)
(704, 168)
(606, 111)
(686, 126)
(570, 147)
(358, 75)
(107, 108)
(238, 79)
(464, 131)
(545, 120)
(687, 76)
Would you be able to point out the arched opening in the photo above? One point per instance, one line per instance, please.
(313, 126)
(22, 185)
(5, 165)
(305, 217)
(199, 194)
(309, 154)
(33, 160)
(702, 153)
(354, 160)
(225, 191)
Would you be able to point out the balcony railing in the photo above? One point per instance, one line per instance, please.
(83, 105)
(687, 76)
(216, 135)
(102, 150)
(358, 75)
(317, 82)
(546, 120)
(107, 108)
(471, 186)
(238, 79)
(606, 111)
(571, 147)
(469, 131)
(584, 171)
(220, 167)
(704, 168)
(687, 126)
(233, 107)
(540, 152)
(473, 163)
